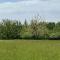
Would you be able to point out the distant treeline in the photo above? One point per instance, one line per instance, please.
(12, 29)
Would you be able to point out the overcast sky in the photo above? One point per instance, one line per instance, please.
(21, 9)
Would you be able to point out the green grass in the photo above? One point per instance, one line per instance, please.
(29, 50)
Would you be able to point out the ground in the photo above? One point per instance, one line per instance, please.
(29, 50)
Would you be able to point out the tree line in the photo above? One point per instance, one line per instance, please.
(12, 29)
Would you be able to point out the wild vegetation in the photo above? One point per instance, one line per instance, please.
(36, 29)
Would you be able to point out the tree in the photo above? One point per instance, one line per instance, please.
(39, 29)
(10, 29)
(51, 25)
(26, 30)
(25, 23)
(34, 27)
(56, 32)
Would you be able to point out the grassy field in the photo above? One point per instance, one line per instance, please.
(29, 50)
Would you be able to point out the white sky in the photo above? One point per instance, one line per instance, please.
(49, 9)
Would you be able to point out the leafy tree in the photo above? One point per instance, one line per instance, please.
(26, 30)
(39, 29)
(56, 31)
(10, 29)
(51, 25)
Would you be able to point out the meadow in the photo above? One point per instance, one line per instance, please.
(29, 50)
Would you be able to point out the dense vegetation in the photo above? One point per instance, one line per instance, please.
(36, 29)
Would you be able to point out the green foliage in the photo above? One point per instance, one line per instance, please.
(39, 29)
(26, 31)
(35, 30)
(10, 29)
(51, 25)
(56, 31)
